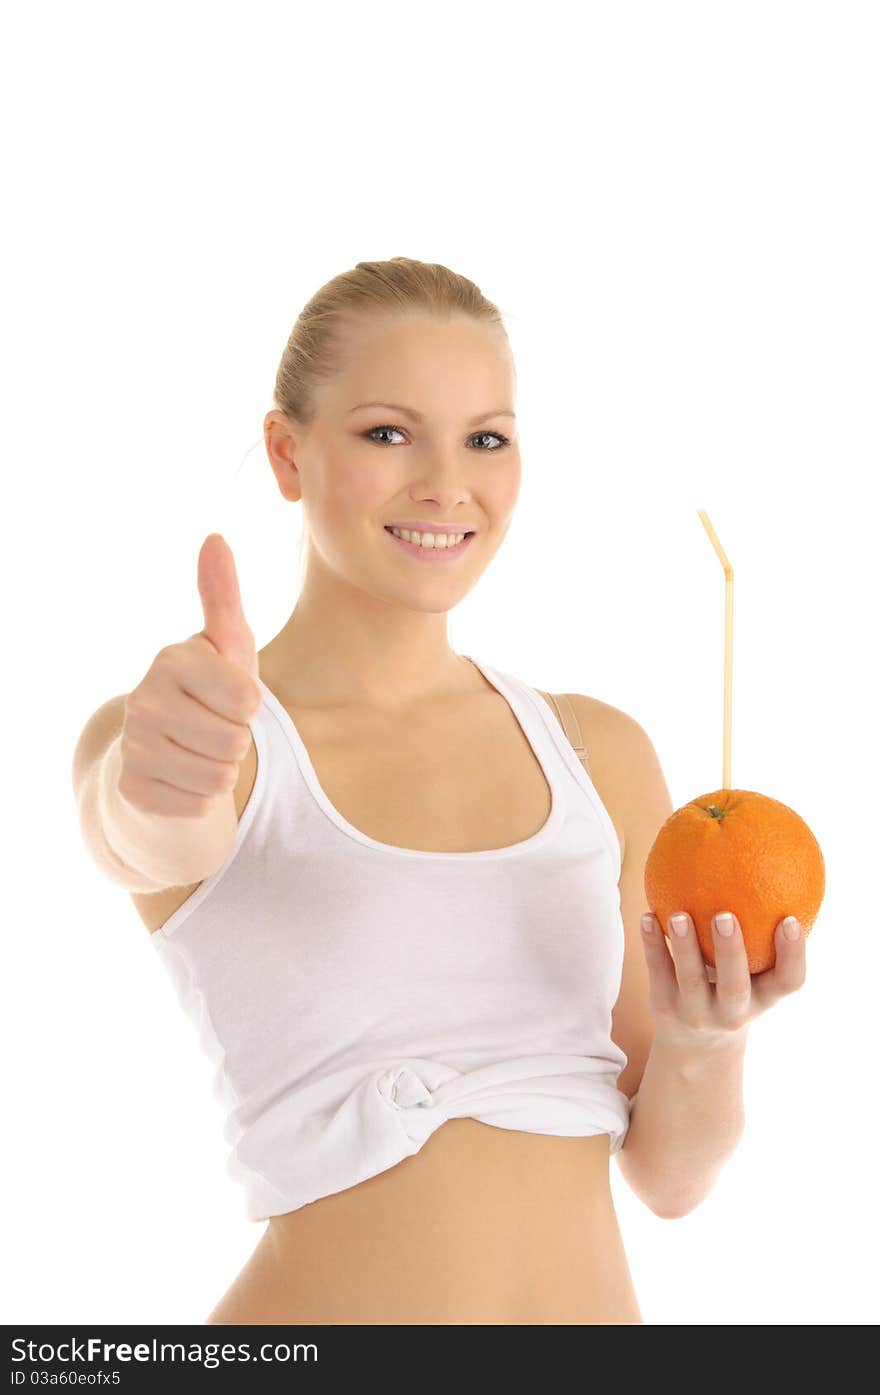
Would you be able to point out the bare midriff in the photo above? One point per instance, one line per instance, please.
(482, 1226)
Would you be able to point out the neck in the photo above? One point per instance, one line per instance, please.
(342, 646)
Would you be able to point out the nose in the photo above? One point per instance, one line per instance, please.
(442, 477)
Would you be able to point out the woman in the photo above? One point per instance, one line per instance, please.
(413, 954)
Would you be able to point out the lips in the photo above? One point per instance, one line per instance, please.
(433, 528)
(432, 554)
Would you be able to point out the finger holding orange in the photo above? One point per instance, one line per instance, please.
(738, 851)
(689, 1010)
(697, 1004)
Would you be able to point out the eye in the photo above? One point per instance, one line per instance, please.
(369, 435)
(498, 437)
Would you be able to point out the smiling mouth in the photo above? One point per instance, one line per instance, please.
(389, 528)
(444, 550)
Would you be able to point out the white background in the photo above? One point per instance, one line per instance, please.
(676, 206)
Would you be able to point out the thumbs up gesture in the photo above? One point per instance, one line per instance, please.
(185, 730)
(226, 629)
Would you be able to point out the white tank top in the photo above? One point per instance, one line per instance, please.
(353, 996)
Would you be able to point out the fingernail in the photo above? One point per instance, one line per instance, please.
(647, 923)
(679, 924)
(724, 923)
(790, 927)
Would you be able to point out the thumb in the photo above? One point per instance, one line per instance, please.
(225, 624)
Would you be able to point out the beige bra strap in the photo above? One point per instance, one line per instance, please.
(570, 725)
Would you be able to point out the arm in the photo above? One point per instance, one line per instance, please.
(139, 851)
(683, 1034)
(686, 1103)
(686, 1121)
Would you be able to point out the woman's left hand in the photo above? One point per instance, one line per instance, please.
(691, 1011)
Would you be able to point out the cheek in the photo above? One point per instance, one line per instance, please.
(350, 492)
(505, 491)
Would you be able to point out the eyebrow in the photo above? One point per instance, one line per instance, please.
(417, 416)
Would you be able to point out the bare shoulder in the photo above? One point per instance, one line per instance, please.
(598, 714)
(624, 766)
(626, 759)
(595, 715)
(618, 733)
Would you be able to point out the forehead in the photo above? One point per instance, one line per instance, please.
(401, 358)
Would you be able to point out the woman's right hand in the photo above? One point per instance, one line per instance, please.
(185, 730)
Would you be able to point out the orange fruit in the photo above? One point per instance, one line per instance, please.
(739, 851)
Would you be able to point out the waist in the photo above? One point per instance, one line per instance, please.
(482, 1225)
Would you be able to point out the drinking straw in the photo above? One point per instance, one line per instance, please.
(728, 641)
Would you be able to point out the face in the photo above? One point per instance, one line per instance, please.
(452, 458)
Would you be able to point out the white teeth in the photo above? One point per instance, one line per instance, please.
(440, 540)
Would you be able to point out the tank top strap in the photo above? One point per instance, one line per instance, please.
(570, 725)
(554, 739)
(558, 752)
(536, 701)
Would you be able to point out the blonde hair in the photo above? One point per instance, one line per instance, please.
(315, 349)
